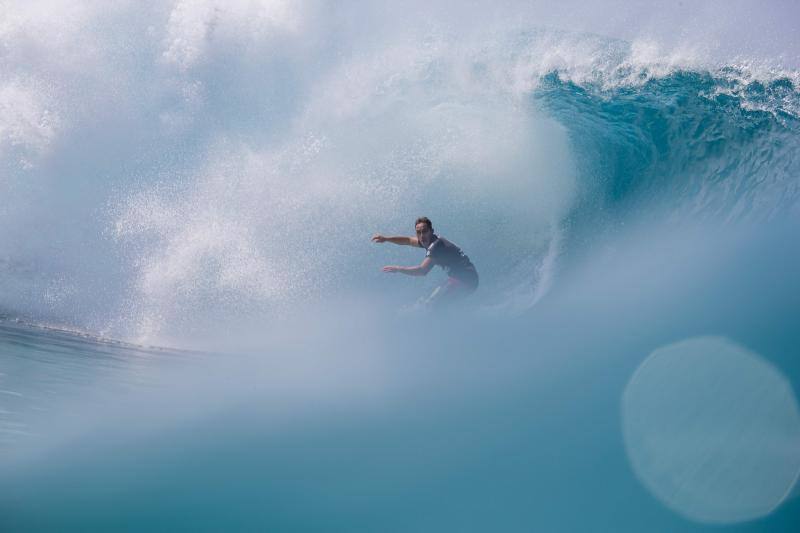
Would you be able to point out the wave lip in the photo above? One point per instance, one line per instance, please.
(692, 142)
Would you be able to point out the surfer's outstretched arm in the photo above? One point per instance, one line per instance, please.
(405, 241)
(420, 270)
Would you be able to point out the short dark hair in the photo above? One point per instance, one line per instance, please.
(424, 220)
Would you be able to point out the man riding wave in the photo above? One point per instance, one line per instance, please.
(462, 277)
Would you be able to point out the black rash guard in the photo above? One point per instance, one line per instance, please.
(454, 262)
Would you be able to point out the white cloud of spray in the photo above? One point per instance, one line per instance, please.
(111, 99)
(262, 225)
(27, 124)
(195, 25)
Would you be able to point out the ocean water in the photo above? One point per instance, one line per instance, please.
(195, 332)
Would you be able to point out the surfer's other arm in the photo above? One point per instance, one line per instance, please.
(420, 270)
(403, 241)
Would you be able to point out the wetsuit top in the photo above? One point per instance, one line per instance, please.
(450, 257)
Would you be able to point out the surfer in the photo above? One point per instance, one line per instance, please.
(462, 278)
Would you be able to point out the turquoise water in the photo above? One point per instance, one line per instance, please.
(487, 423)
(196, 334)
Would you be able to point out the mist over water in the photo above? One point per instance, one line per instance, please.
(207, 176)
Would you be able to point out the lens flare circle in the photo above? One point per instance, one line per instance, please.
(712, 430)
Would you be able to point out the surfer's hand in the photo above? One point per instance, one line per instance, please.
(378, 238)
(390, 268)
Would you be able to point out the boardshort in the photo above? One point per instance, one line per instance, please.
(452, 290)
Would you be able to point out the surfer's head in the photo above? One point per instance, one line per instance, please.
(424, 230)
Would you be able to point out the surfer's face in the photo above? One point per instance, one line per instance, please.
(424, 234)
